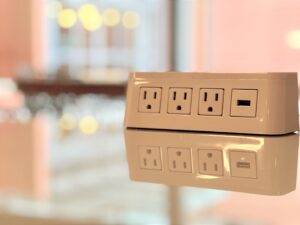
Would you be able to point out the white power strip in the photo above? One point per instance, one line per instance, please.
(265, 103)
(253, 164)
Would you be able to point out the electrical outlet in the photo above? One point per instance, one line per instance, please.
(245, 163)
(243, 103)
(180, 160)
(210, 162)
(149, 100)
(180, 100)
(211, 102)
(260, 103)
(150, 157)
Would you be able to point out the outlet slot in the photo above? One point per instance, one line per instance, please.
(243, 102)
(217, 97)
(216, 167)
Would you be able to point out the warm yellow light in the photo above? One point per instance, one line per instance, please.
(90, 17)
(68, 122)
(293, 39)
(131, 19)
(67, 18)
(111, 17)
(88, 125)
(53, 8)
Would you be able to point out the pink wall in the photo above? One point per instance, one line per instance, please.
(21, 35)
(249, 35)
(197, 36)
(24, 162)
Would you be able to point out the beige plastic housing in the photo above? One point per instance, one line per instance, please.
(247, 163)
(262, 103)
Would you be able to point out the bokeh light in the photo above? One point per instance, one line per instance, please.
(67, 18)
(111, 17)
(68, 122)
(293, 39)
(53, 8)
(88, 125)
(90, 17)
(131, 19)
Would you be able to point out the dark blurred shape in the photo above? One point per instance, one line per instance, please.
(76, 87)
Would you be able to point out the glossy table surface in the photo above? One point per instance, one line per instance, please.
(52, 171)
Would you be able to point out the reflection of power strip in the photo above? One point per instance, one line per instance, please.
(264, 103)
(254, 164)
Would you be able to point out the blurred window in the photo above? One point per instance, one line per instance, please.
(103, 40)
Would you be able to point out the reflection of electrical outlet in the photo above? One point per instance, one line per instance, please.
(243, 164)
(180, 160)
(211, 102)
(210, 162)
(180, 100)
(150, 157)
(149, 100)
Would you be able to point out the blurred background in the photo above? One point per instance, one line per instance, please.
(64, 66)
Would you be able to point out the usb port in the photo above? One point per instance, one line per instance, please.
(243, 165)
(243, 102)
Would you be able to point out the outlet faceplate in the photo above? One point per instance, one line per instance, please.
(254, 164)
(180, 160)
(150, 157)
(180, 100)
(210, 162)
(243, 103)
(211, 102)
(243, 164)
(235, 103)
(149, 100)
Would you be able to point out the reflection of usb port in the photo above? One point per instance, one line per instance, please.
(243, 165)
